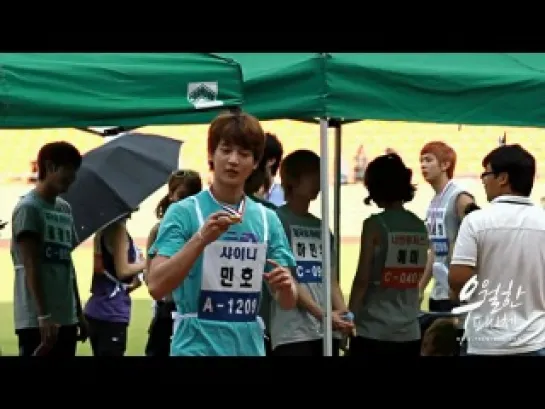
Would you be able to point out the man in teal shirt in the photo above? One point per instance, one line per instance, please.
(214, 251)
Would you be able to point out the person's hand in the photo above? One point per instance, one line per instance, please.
(140, 256)
(135, 284)
(48, 332)
(340, 324)
(453, 296)
(217, 224)
(279, 278)
(83, 329)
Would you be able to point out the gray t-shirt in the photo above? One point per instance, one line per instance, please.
(390, 307)
(55, 227)
(304, 235)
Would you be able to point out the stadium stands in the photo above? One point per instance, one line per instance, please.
(471, 142)
(20, 148)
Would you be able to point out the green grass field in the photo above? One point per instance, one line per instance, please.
(82, 258)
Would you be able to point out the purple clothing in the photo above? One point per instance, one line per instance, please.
(109, 301)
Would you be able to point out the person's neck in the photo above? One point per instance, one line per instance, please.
(45, 192)
(227, 194)
(393, 206)
(298, 207)
(439, 184)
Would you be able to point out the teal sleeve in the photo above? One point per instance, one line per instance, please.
(175, 230)
(279, 249)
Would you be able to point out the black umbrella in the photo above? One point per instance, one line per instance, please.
(116, 177)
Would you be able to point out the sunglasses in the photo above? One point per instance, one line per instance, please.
(485, 174)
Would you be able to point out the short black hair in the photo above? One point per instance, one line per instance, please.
(59, 154)
(295, 165)
(388, 180)
(518, 163)
(273, 150)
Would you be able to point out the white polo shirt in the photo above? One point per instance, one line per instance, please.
(506, 244)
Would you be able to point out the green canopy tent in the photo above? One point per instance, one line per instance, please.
(475, 89)
(336, 88)
(129, 90)
(82, 90)
(283, 85)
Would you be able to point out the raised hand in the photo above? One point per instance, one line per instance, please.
(216, 224)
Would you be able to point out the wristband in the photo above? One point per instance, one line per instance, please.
(349, 316)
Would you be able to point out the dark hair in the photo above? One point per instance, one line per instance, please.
(295, 165)
(59, 154)
(388, 180)
(518, 163)
(443, 337)
(237, 128)
(273, 150)
(255, 180)
(189, 178)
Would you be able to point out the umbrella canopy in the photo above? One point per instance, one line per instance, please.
(116, 177)
(62, 90)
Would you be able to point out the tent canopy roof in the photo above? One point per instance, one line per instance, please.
(499, 89)
(131, 89)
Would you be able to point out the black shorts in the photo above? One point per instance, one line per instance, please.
(441, 305)
(367, 347)
(160, 330)
(66, 345)
(107, 338)
(305, 348)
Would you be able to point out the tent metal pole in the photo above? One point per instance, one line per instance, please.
(337, 199)
(326, 245)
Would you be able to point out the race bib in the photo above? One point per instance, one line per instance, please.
(440, 246)
(405, 260)
(437, 232)
(307, 248)
(231, 281)
(57, 237)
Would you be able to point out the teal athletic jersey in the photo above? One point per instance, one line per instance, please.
(218, 302)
